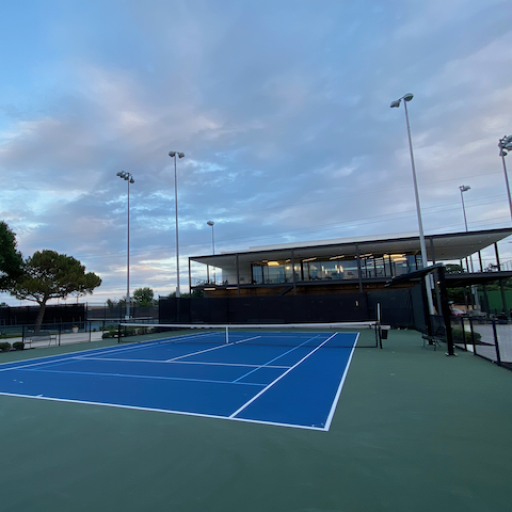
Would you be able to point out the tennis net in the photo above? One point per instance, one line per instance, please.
(329, 335)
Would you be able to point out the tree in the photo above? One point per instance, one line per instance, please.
(11, 261)
(49, 275)
(143, 297)
(452, 268)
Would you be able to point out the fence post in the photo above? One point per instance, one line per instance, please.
(464, 333)
(472, 336)
(496, 344)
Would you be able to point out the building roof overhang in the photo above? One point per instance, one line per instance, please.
(440, 247)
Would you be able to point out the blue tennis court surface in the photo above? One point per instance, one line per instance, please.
(276, 382)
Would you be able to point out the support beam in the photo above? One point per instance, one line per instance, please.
(237, 275)
(497, 256)
(359, 271)
(293, 273)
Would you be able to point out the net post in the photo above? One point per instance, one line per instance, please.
(227, 335)
(119, 333)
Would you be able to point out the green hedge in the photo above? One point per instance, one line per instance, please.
(458, 337)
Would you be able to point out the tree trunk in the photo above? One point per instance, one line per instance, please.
(40, 316)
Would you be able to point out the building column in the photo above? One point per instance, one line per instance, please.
(359, 271)
(432, 251)
(293, 273)
(189, 278)
(237, 275)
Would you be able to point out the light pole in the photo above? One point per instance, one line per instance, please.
(174, 154)
(129, 180)
(464, 188)
(395, 104)
(211, 223)
(505, 145)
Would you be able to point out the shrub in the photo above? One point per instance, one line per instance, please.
(459, 338)
(110, 332)
(5, 346)
(18, 345)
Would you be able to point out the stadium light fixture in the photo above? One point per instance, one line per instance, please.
(505, 145)
(423, 248)
(129, 180)
(174, 154)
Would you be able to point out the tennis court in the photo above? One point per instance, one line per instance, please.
(413, 430)
(286, 378)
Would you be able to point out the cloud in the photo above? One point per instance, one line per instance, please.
(282, 110)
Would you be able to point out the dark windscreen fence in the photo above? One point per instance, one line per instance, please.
(117, 312)
(53, 314)
(396, 307)
(418, 308)
(294, 309)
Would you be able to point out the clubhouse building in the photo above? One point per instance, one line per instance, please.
(346, 265)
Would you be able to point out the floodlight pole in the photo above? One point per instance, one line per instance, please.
(505, 145)
(423, 248)
(464, 188)
(129, 179)
(211, 223)
(416, 193)
(174, 154)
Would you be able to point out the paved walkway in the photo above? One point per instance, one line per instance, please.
(63, 339)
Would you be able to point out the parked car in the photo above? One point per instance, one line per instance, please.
(457, 312)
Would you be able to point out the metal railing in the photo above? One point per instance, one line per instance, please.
(53, 334)
(488, 338)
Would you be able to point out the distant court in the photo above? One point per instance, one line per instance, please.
(273, 382)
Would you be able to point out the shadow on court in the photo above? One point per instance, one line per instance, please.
(413, 430)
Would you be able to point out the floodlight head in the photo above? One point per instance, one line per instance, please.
(464, 188)
(503, 152)
(132, 180)
(395, 104)
(172, 154)
(126, 177)
(408, 97)
(181, 155)
(210, 223)
(120, 173)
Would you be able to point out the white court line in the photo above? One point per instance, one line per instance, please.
(160, 361)
(64, 358)
(153, 409)
(84, 353)
(279, 378)
(266, 365)
(225, 345)
(328, 421)
(195, 353)
(143, 377)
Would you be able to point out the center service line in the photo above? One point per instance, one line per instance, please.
(279, 378)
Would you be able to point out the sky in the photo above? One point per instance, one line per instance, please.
(281, 107)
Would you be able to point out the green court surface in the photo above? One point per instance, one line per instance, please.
(414, 430)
